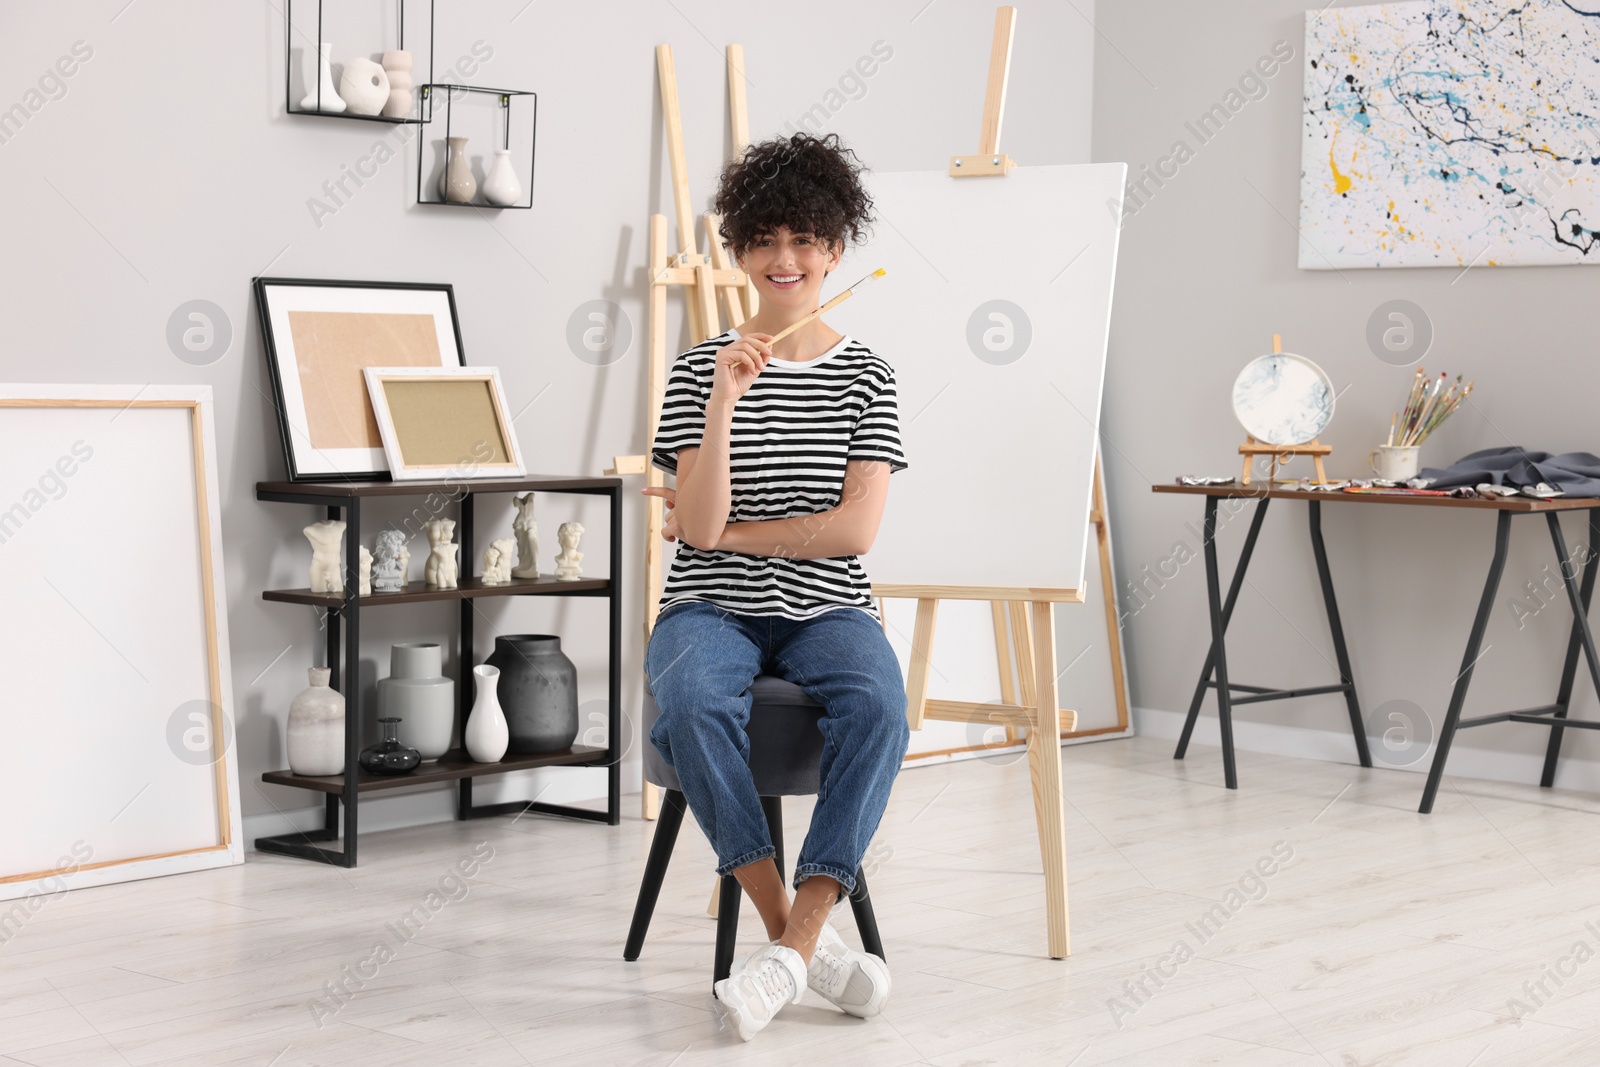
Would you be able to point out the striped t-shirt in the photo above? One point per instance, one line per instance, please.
(791, 435)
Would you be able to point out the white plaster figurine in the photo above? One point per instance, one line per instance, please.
(326, 539)
(387, 575)
(405, 560)
(497, 561)
(569, 557)
(527, 530)
(444, 561)
(365, 588)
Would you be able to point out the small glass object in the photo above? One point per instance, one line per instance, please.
(389, 756)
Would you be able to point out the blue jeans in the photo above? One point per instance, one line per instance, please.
(701, 661)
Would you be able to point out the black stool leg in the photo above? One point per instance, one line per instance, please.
(866, 921)
(655, 870)
(727, 927)
(772, 808)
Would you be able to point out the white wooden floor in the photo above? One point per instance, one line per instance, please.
(1388, 938)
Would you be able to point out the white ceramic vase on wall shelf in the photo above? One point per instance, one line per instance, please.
(487, 734)
(397, 64)
(364, 86)
(331, 100)
(501, 187)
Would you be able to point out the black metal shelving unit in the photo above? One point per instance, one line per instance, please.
(344, 614)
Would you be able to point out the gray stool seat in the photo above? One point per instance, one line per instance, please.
(785, 760)
(785, 744)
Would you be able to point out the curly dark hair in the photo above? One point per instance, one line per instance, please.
(803, 182)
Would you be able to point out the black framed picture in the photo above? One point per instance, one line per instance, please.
(320, 337)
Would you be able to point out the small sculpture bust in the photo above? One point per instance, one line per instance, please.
(365, 588)
(569, 558)
(405, 560)
(443, 561)
(387, 577)
(527, 530)
(326, 538)
(497, 561)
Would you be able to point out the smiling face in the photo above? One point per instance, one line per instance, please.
(789, 268)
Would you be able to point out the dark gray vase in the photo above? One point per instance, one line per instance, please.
(538, 691)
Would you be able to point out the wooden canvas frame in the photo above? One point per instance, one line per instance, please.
(277, 299)
(129, 727)
(444, 379)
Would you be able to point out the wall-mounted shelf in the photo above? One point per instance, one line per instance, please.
(508, 118)
(310, 65)
(343, 500)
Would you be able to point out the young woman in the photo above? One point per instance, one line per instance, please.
(783, 454)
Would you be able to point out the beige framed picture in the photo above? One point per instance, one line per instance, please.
(444, 423)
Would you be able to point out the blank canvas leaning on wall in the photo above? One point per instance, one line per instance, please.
(119, 708)
(994, 314)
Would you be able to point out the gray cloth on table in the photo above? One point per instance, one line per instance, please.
(1575, 473)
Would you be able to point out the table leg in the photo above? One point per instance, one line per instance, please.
(1219, 653)
(1346, 676)
(1458, 696)
(1227, 613)
(1580, 637)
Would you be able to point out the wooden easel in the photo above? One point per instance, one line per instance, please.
(1282, 453)
(702, 276)
(1035, 705)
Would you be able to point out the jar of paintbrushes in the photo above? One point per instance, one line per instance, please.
(1427, 406)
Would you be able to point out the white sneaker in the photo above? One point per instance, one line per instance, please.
(759, 985)
(858, 982)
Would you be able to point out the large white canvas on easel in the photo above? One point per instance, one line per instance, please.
(994, 313)
(118, 708)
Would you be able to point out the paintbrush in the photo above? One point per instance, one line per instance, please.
(836, 301)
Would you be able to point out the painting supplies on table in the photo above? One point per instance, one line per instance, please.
(1427, 406)
(841, 298)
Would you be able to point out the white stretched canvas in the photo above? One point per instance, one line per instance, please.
(1451, 133)
(994, 314)
(118, 714)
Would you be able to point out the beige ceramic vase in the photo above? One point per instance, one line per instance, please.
(456, 184)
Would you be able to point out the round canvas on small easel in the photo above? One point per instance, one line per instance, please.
(1283, 399)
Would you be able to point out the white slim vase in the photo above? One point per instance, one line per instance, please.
(331, 100)
(487, 734)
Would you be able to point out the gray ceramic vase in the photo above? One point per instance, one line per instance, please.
(417, 693)
(538, 691)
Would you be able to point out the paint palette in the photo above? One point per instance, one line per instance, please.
(1283, 399)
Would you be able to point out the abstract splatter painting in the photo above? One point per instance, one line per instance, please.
(1451, 133)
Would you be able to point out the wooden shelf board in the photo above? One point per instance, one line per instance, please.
(550, 483)
(468, 588)
(449, 767)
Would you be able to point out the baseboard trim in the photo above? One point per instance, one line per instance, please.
(1334, 746)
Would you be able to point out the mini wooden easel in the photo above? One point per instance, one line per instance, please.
(1282, 453)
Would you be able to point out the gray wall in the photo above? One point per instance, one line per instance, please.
(163, 170)
(1207, 274)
